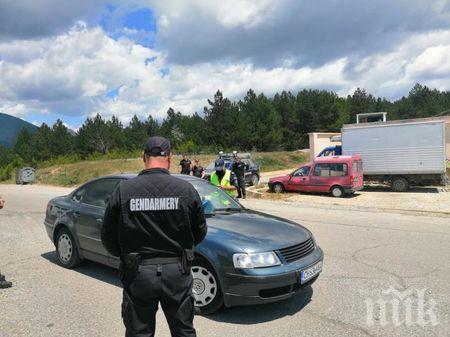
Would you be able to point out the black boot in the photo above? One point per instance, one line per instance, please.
(3, 283)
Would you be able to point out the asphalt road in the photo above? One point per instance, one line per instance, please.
(366, 253)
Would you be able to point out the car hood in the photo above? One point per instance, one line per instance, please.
(252, 231)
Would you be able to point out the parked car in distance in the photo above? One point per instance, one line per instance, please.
(252, 175)
(247, 257)
(337, 175)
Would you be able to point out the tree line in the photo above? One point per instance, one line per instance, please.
(256, 122)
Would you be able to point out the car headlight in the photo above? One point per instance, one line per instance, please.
(255, 260)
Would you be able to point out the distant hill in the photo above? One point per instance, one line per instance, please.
(10, 127)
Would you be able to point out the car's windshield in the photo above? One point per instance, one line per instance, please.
(214, 199)
(302, 171)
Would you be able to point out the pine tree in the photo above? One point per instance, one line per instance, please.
(62, 142)
(24, 146)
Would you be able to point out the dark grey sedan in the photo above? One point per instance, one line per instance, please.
(247, 257)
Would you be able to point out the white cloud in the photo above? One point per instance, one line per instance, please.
(72, 73)
(229, 13)
(18, 110)
(433, 62)
(420, 58)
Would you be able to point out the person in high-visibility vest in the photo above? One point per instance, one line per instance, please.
(224, 178)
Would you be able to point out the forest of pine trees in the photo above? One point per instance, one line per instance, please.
(256, 122)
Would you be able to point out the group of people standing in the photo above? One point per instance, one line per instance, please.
(231, 179)
(187, 168)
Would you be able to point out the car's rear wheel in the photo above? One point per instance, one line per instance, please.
(67, 249)
(255, 180)
(337, 192)
(278, 188)
(208, 297)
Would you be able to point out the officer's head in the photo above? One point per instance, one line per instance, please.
(157, 153)
(219, 165)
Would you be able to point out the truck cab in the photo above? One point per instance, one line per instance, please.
(335, 150)
(338, 175)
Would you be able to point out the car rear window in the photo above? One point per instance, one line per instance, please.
(331, 170)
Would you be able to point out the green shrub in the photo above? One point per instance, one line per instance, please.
(7, 171)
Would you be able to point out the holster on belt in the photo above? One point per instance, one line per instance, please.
(129, 267)
(186, 260)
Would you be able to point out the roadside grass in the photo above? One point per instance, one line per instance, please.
(274, 161)
(73, 174)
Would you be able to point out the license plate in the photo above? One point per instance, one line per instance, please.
(309, 273)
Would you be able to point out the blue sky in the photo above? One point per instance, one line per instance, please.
(143, 56)
(141, 21)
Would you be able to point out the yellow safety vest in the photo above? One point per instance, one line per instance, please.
(226, 181)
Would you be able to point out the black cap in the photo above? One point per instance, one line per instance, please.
(157, 146)
(219, 164)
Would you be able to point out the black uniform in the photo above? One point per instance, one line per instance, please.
(239, 168)
(185, 166)
(197, 171)
(157, 216)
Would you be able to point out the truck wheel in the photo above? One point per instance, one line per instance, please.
(278, 188)
(399, 184)
(337, 192)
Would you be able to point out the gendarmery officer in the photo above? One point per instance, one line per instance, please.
(239, 167)
(152, 222)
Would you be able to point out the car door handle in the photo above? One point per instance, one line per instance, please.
(303, 178)
(99, 220)
(76, 214)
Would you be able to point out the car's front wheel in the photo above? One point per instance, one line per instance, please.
(278, 188)
(208, 297)
(255, 179)
(67, 249)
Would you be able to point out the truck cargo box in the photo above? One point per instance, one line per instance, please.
(397, 148)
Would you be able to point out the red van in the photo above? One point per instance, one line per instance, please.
(338, 175)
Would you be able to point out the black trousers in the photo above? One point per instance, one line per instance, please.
(171, 288)
(241, 187)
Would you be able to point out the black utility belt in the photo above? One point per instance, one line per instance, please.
(159, 260)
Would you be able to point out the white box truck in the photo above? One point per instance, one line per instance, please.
(401, 153)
